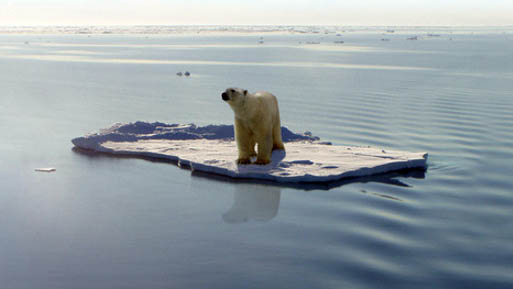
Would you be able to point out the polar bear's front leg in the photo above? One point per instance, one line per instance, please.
(245, 143)
(265, 145)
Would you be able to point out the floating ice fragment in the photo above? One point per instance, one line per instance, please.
(45, 170)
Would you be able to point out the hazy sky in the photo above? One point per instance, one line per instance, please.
(330, 12)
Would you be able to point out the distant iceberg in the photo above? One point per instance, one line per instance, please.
(211, 149)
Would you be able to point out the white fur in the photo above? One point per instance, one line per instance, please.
(257, 121)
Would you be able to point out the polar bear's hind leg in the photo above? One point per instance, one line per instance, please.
(277, 141)
(265, 146)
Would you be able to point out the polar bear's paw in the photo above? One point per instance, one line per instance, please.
(262, 162)
(243, 161)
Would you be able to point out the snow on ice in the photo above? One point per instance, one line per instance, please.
(211, 149)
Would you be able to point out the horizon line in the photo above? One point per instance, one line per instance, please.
(250, 25)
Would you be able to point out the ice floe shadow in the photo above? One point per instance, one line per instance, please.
(389, 178)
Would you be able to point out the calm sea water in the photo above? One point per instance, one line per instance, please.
(102, 222)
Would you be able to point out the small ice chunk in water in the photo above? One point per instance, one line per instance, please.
(45, 170)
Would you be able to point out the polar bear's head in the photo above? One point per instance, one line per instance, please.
(234, 96)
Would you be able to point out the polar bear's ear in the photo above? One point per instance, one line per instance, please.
(245, 92)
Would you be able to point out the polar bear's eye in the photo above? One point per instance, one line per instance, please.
(232, 91)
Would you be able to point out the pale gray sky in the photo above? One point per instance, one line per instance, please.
(248, 12)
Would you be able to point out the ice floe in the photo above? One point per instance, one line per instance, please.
(211, 149)
(45, 170)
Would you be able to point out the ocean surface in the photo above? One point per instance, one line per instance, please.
(105, 222)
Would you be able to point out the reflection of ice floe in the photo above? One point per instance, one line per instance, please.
(211, 149)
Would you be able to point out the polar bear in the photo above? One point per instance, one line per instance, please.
(257, 121)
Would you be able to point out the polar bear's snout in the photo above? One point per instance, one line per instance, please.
(225, 96)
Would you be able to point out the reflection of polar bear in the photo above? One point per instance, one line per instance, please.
(253, 202)
(257, 120)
